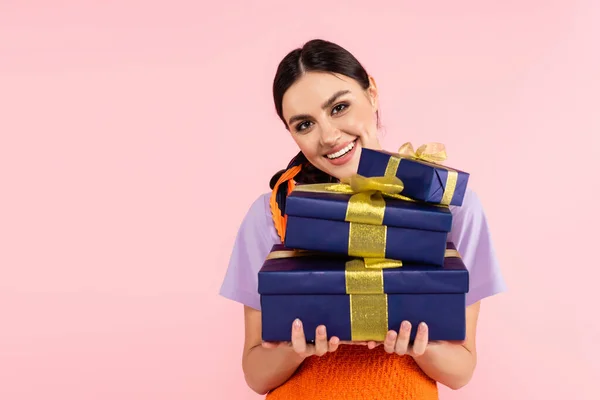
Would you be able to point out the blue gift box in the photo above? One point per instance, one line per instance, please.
(424, 181)
(319, 220)
(358, 303)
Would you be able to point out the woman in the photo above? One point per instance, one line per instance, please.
(329, 104)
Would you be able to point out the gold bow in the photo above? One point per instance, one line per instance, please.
(388, 186)
(366, 204)
(431, 152)
(365, 211)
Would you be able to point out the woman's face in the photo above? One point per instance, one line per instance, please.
(332, 118)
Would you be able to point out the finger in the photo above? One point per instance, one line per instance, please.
(403, 338)
(334, 342)
(321, 344)
(389, 343)
(270, 345)
(421, 340)
(298, 338)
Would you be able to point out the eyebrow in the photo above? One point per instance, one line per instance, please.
(325, 105)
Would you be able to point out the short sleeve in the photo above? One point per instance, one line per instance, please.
(254, 240)
(471, 235)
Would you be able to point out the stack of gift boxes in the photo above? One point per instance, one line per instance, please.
(363, 255)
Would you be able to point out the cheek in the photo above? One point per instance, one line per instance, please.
(360, 122)
(307, 145)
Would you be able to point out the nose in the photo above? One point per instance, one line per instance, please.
(330, 135)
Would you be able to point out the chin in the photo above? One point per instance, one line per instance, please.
(344, 171)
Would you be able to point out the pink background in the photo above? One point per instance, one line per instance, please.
(134, 137)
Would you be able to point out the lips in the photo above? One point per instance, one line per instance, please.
(342, 154)
(341, 150)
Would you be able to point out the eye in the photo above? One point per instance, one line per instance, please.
(339, 108)
(303, 126)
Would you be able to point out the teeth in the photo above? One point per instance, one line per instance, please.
(340, 153)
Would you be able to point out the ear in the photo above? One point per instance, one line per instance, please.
(372, 93)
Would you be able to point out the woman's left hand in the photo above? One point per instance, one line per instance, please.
(399, 342)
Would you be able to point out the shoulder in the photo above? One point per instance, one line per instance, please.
(258, 218)
(471, 206)
(257, 230)
(253, 242)
(472, 236)
(469, 221)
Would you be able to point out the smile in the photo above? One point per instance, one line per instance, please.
(342, 152)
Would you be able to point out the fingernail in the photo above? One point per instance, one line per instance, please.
(335, 340)
(321, 330)
(405, 326)
(392, 335)
(423, 327)
(297, 324)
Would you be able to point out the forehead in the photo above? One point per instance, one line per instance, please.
(312, 89)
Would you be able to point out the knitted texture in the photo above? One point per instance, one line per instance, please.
(355, 372)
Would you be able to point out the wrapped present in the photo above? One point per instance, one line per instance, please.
(360, 299)
(423, 177)
(366, 218)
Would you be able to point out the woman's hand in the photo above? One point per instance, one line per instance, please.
(398, 343)
(321, 346)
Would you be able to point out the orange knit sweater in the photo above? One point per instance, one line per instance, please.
(355, 372)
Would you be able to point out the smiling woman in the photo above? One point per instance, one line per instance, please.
(329, 105)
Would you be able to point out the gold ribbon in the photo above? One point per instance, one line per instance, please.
(368, 301)
(369, 263)
(277, 254)
(429, 154)
(365, 287)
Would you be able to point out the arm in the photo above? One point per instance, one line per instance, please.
(449, 363)
(268, 365)
(452, 364)
(265, 368)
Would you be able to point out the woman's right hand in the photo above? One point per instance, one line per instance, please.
(321, 346)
